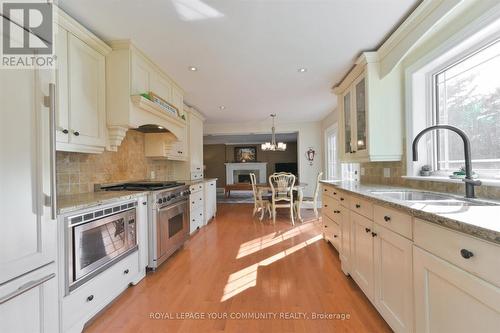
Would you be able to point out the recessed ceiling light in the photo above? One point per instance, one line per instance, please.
(193, 68)
(302, 70)
(222, 107)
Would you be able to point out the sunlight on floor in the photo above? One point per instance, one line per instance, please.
(247, 277)
(270, 240)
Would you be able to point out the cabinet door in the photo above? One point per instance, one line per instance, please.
(28, 235)
(62, 115)
(177, 99)
(345, 239)
(362, 271)
(161, 87)
(86, 78)
(140, 82)
(196, 143)
(29, 303)
(347, 114)
(393, 279)
(360, 115)
(449, 299)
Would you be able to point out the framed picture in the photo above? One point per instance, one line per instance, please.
(245, 154)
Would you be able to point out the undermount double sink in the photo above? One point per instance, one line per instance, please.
(430, 198)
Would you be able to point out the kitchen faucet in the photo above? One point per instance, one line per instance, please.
(469, 181)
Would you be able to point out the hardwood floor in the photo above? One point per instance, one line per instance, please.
(239, 266)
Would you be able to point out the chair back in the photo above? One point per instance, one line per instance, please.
(253, 181)
(316, 190)
(282, 184)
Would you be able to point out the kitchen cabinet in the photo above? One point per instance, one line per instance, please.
(362, 254)
(210, 203)
(345, 240)
(81, 82)
(196, 206)
(165, 145)
(370, 113)
(449, 299)
(393, 278)
(196, 141)
(28, 287)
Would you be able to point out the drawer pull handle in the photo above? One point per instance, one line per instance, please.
(325, 190)
(336, 211)
(341, 199)
(374, 234)
(126, 271)
(76, 133)
(193, 202)
(334, 236)
(358, 206)
(90, 298)
(65, 131)
(326, 206)
(26, 287)
(466, 254)
(144, 203)
(334, 193)
(387, 218)
(368, 229)
(326, 226)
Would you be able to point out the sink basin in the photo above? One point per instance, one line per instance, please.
(430, 198)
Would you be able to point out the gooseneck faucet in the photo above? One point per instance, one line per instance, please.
(469, 181)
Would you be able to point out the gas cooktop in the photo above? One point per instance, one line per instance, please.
(141, 186)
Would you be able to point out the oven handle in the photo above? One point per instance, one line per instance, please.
(183, 202)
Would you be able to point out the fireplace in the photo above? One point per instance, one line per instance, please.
(244, 178)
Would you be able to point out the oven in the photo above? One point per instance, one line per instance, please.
(170, 225)
(97, 239)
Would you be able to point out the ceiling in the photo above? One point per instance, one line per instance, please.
(248, 138)
(248, 52)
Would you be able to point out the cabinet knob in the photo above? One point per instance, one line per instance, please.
(466, 254)
(90, 298)
(126, 271)
(201, 199)
(334, 236)
(358, 206)
(368, 229)
(65, 131)
(144, 203)
(193, 202)
(326, 206)
(336, 211)
(326, 226)
(341, 199)
(76, 133)
(374, 234)
(334, 193)
(325, 190)
(387, 218)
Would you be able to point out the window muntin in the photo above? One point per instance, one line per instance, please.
(467, 95)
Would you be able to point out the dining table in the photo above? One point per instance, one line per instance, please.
(299, 187)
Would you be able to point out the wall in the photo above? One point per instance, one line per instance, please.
(214, 157)
(78, 172)
(463, 15)
(309, 135)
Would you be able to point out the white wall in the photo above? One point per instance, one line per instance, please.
(309, 135)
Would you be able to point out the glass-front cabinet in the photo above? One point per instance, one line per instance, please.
(370, 110)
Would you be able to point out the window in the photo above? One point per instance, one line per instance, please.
(332, 160)
(467, 95)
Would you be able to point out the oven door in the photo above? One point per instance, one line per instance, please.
(98, 243)
(172, 229)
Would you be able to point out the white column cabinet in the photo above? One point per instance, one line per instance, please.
(449, 299)
(196, 142)
(393, 278)
(210, 200)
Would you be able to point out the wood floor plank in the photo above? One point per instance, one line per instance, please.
(238, 265)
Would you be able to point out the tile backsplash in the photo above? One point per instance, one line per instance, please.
(78, 172)
(374, 174)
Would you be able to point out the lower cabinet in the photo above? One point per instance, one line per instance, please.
(196, 207)
(449, 299)
(362, 253)
(210, 200)
(392, 254)
(331, 232)
(29, 303)
(345, 240)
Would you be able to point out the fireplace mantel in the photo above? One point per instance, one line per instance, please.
(247, 166)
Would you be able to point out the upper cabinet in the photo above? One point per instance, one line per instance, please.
(370, 111)
(129, 74)
(81, 83)
(196, 143)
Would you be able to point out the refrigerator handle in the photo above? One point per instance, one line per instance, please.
(50, 102)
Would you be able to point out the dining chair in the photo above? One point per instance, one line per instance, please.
(282, 193)
(260, 204)
(314, 198)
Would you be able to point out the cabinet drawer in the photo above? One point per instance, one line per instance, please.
(83, 303)
(393, 220)
(196, 219)
(196, 200)
(343, 198)
(196, 175)
(453, 246)
(362, 207)
(332, 231)
(196, 187)
(330, 191)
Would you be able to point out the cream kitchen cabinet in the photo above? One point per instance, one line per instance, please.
(196, 206)
(210, 202)
(449, 299)
(196, 141)
(370, 112)
(362, 254)
(81, 82)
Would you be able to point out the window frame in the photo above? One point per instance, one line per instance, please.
(332, 131)
(420, 91)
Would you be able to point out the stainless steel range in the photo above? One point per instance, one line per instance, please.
(168, 218)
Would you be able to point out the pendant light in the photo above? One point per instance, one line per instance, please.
(273, 146)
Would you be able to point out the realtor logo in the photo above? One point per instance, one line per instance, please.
(27, 38)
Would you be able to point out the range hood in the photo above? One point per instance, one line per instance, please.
(151, 128)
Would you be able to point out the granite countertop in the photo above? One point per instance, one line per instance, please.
(72, 202)
(478, 221)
